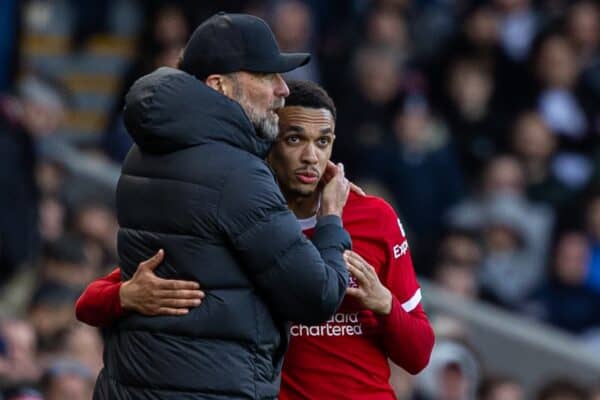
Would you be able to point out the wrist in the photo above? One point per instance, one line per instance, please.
(123, 296)
(386, 304)
(330, 211)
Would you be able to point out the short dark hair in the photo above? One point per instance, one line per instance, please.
(309, 94)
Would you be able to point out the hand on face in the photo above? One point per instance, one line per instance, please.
(335, 193)
(330, 172)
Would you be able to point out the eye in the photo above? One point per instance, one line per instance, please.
(292, 139)
(324, 141)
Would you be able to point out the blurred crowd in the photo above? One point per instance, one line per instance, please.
(478, 120)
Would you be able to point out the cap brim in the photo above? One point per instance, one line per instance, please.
(284, 63)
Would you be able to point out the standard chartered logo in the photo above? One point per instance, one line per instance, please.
(340, 324)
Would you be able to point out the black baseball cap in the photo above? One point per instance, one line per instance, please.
(227, 43)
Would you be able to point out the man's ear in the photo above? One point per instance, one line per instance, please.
(215, 82)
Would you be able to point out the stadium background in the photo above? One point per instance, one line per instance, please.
(477, 120)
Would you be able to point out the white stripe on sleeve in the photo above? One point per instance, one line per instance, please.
(413, 302)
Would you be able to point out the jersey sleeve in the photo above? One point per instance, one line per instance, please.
(407, 336)
(99, 304)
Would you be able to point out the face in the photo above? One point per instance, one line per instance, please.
(532, 138)
(572, 258)
(557, 65)
(260, 95)
(504, 175)
(69, 387)
(303, 148)
(507, 391)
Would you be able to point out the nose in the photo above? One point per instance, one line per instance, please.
(309, 155)
(281, 88)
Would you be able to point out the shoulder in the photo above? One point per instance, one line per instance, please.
(250, 187)
(374, 206)
(248, 170)
(374, 215)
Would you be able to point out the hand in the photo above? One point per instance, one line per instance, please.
(329, 173)
(148, 294)
(371, 293)
(335, 192)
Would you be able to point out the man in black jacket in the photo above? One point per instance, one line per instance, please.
(196, 184)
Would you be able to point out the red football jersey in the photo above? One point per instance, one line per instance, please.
(346, 357)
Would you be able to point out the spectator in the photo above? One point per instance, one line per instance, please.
(500, 388)
(535, 146)
(366, 110)
(566, 107)
(453, 373)
(65, 262)
(97, 222)
(519, 24)
(18, 363)
(516, 233)
(561, 389)
(84, 344)
(52, 214)
(293, 28)
(67, 380)
(421, 158)
(387, 29)
(37, 113)
(564, 301)
(51, 314)
(460, 247)
(457, 278)
(23, 393)
(583, 30)
(473, 121)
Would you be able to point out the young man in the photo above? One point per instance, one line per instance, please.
(381, 316)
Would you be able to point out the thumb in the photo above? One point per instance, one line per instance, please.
(154, 262)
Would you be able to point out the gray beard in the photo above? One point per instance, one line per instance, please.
(266, 127)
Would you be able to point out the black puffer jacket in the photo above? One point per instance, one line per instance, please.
(196, 185)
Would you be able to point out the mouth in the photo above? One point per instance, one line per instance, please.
(307, 177)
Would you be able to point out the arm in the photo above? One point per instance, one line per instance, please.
(107, 299)
(301, 282)
(99, 304)
(405, 332)
(407, 335)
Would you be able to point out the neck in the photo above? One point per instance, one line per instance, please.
(303, 206)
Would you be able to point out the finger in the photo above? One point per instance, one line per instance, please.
(154, 261)
(357, 189)
(363, 265)
(351, 258)
(172, 284)
(179, 303)
(179, 294)
(358, 275)
(355, 292)
(355, 256)
(172, 311)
